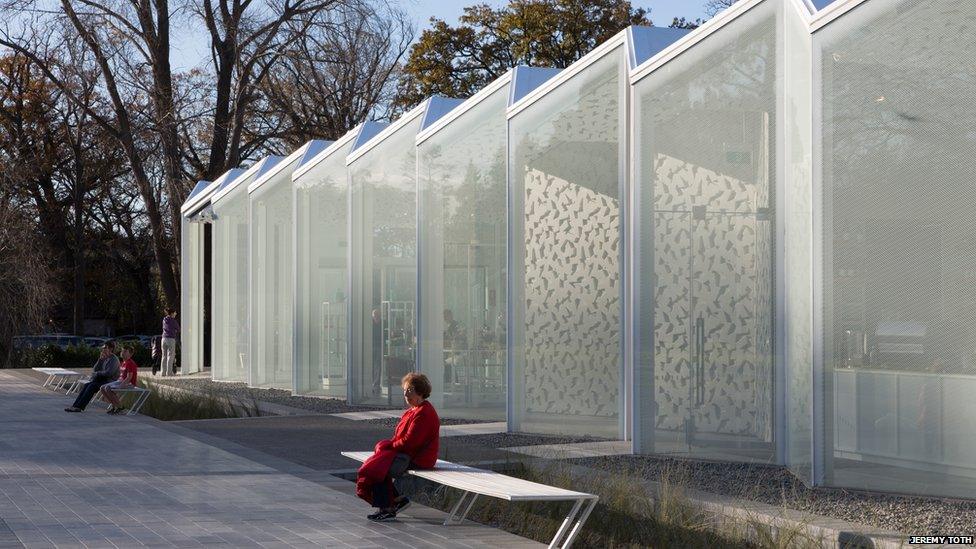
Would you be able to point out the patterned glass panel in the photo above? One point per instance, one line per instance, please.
(566, 287)
(705, 147)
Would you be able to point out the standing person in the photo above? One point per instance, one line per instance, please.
(105, 371)
(414, 445)
(171, 330)
(156, 353)
(127, 379)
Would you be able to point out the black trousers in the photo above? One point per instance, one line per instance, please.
(382, 496)
(87, 393)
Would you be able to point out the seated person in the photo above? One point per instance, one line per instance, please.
(127, 379)
(414, 445)
(106, 370)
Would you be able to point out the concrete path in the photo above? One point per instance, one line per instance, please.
(94, 480)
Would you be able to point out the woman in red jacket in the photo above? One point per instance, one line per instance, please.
(414, 446)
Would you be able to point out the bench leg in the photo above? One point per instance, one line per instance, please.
(454, 518)
(137, 405)
(564, 527)
(568, 542)
(50, 378)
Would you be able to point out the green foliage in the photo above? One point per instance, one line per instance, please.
(52, 356)
(80, 356)
(458, 61)
(169, 405)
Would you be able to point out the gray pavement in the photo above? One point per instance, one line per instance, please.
(94, 480)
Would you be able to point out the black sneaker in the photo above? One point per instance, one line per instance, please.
(382, 516)
(402, 504)
(117, 411)
(111, 410)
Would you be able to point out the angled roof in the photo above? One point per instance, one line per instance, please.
(203, 192)
(432, 109)
(255, 170)
(292, 160)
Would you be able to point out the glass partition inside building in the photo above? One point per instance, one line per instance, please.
(566, 174)
(463, 230)
(899, 308)
(706, 175)
(272, 281)
(384, 266)
(321, 207)
(230, 290)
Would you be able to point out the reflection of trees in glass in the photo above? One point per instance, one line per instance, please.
(394, 205)
(898, 171)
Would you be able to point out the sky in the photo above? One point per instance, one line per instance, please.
(192, 50)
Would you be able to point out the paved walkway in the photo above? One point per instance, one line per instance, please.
(94, 480)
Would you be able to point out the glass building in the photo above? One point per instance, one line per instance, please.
(747, 242)
(272, 270)
(231, 274)
(322, 260)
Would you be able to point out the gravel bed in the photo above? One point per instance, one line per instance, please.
(274, 396)
(777, 486)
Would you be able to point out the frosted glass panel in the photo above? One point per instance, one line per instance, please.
(321, 203)
(191, 300)
(230, 291)
(706, 150)
(463, 275)
(272, 282)
(384, 269)
(798, 242)
(898, 167)
(565, 178)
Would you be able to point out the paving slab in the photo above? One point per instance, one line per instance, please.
(95, 480)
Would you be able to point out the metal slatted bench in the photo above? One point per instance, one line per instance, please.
(474, 482)
(57, 377)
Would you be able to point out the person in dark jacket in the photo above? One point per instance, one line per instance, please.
(414, 445)
(171, 330)
(106, 370)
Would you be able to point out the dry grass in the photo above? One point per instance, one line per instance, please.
(169, 405)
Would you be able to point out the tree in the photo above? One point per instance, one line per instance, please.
(458, 61)
(27, 291)
(714, 7)
(335, 74)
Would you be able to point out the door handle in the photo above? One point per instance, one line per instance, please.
(700, 361)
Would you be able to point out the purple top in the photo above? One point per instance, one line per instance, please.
(170, 328)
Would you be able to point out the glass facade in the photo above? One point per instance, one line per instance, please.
(791, 196)
(706, 174)
(384, 264)
(191, 298)
(899, 246)
(463, 230)
(321, 248)
(565, 180)
(230, 289)
(272, 280)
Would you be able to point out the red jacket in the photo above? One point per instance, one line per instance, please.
(374, 470)
(418, 435)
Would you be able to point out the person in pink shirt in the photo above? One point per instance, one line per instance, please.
(127, 378)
